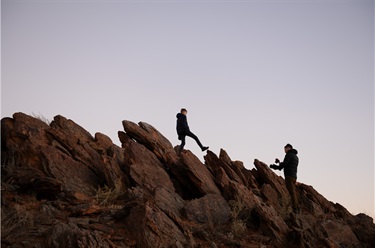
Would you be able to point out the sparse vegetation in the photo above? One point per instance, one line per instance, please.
(106, 196)
(19, 217)
(238, 226)
(41, 117)
(9, 162)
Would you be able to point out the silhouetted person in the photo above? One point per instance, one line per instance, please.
(183, 130)
(289, 165)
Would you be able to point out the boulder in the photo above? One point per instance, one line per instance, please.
(213, 162)
(236, 166)
(340, 233)
(152, 139)
(198, 174)
(144, 168)
(169, 202)
(151, 228)
(70, 236)
(364, 229)
(265, 175)
(150, 176)
(271, 223)
(212, 209)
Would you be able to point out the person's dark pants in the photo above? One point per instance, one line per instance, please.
(190, 134)
(291, 186)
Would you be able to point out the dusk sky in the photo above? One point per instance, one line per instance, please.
(254, 75)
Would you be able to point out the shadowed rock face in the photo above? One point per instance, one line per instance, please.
(63, 187)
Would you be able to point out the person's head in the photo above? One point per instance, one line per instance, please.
(183, 111)
(288, 147)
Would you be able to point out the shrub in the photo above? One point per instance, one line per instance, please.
(42, 118)
(19, 217)
(238, 226)
(106, 196)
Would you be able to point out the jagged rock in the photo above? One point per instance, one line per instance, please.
(271, 222)
(136, 153)
(150, 176)
(238, 192)
(148, 136)
(63, 187)
(266, 176)
(211, 209)
(317, 203)
(151, 227)
(70, 236)
(233, 188)
(112, 157)
(340, 233)
(198, 174)
(364, 229)
(213, 162)
(63, 235)
(169, 202)
(144, 168)
(63, 151)
(236, 166)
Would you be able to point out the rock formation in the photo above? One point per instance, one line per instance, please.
(62, 187)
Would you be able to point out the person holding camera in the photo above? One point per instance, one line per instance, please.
(289, 164)
(183, 130)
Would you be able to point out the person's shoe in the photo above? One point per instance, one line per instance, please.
(204, 148)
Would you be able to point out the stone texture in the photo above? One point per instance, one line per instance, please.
(199, 174)
(153, 228)
(169, 202)
(63, 187)
(340, 233)
(211, 209)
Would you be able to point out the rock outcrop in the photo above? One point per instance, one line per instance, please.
(63, 187)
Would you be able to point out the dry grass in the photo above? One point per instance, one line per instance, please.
(19, 217)
(238, 226)
(115, 207)
(9, 163)
(42, 118)
(106, 196)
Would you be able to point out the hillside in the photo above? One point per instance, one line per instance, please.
(62, 187)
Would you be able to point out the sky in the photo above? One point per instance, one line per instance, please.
(254, 76)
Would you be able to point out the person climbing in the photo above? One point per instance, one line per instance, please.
(289, 164)
(183, 131)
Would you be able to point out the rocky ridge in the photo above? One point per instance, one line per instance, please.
(62, 187)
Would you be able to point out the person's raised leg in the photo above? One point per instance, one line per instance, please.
(190, 134)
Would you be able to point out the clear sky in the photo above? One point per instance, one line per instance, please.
(254, 75)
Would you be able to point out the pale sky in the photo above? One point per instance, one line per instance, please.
(254, 75)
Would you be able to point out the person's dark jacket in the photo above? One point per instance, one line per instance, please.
(182, 125)
(289, 164)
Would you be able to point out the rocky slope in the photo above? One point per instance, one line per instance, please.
(62, 187)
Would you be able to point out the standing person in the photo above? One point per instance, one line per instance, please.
(183, 130)
(289, 165)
